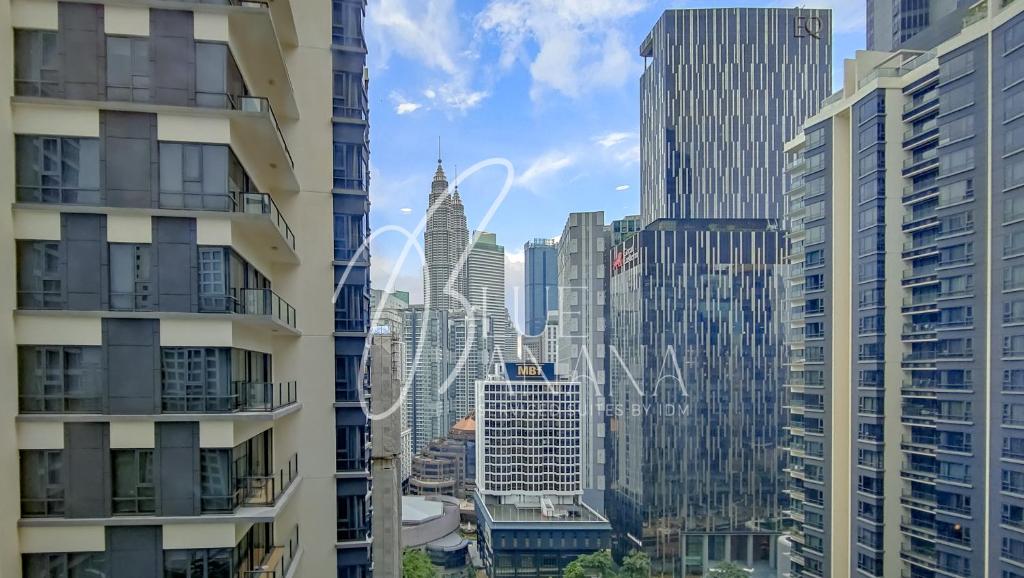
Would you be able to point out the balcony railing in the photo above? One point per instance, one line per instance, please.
(254, 490)
(278, 560)
(262, 302)
(249, 203)
(265, 490)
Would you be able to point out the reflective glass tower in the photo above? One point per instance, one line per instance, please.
(696, 353)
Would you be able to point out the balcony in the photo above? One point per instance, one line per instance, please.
(920, 277)
(256, 214)
(256, 135)
(919, 332)
(925, 133)
(920, 248)
(278, 560)
(920, 106)
(240, 397)
(260, 305)
(918, 164)
(913, 222)
(254, 490)
(260, 31)
(920, 304)
(913, 194)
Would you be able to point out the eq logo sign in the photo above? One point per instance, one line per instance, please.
(808, 26)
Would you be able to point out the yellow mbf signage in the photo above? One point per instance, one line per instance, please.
(530, 370)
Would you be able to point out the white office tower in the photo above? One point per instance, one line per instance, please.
(581, 339)
(486, 286)
(471, 347)
(528, 436)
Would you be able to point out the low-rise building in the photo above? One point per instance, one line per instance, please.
(530, 515)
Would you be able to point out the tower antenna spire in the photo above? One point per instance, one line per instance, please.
(439, 149)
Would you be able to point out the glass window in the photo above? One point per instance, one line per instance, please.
(130, 277)
(957, 66)
(815, 211)
(133, 482)
(1013, 104)
(1013, 172)
(815, 138)
(1013, 208)
(815, 235)
(956, 161)
(216, 480)
(956, 98)
(215, 563)
(128, 68)
(197, 380)
(815, 187)
(69, 565)
(213, 280)
(957, 129)
(1014, 37)
(51, 169)
(36, 63)
(219, 83)
(40, 275)
(195, 176)
(350, 166)
(60, 379)
(42, 483)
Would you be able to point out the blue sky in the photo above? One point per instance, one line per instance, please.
(550, 85)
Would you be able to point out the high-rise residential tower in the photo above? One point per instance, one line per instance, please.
(696, 352)
(907, 214)
(169, 337)
(895, 24)
(582, 341)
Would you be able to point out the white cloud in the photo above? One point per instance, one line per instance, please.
(544, 166)
(454, 95)
(578, 45)
(423, 30)
(427, 32)
(622, 188)
(613, 138)
(408, 107)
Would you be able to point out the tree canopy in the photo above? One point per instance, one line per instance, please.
(416, 564)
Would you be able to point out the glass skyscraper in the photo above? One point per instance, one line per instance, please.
(696, 352)
(541, 276)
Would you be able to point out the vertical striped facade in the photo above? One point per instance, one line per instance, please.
(722, 90)
(696, 351)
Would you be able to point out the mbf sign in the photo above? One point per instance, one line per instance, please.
(530, 371)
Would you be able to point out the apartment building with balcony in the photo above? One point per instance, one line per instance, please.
(903, 221)
(163, 185)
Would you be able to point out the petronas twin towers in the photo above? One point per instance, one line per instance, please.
(445, 240)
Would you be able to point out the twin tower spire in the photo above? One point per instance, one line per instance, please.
(439, 176)
(445, 240)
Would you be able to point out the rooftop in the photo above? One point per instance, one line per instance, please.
(578, 513)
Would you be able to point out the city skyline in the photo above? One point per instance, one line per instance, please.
(569, 156)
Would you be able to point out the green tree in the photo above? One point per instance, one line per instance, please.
(728, 570)
(636, 565)
(416, 564)
(596, 565)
